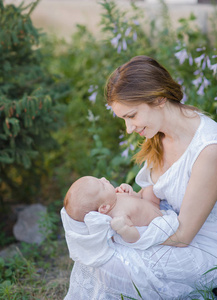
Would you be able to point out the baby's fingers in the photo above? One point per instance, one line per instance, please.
(127, 188)
(119, 189)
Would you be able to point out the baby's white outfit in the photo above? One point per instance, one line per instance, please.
(92, 242)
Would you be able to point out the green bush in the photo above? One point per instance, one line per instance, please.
(29, 108)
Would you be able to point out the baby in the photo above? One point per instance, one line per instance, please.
(126, 207)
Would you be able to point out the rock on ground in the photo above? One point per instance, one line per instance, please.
(27, 227)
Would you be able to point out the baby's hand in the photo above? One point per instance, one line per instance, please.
(117, 223)
(124, 188)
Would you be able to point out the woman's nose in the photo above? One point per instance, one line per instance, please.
(129, 126)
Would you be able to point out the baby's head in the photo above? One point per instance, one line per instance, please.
(89, 194)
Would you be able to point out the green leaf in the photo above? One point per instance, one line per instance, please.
(215, 268)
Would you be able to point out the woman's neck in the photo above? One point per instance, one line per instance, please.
(180, 124)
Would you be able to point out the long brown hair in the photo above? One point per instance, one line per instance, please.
(140, 80)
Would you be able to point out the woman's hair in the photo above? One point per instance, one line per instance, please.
(140, 80)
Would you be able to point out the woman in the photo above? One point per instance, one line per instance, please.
(180, 154)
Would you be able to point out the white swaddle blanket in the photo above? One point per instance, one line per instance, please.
(90, 242)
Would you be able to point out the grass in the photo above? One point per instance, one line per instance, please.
(43, 272)
(36, 272)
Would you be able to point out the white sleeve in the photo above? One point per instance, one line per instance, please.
(143, 178)
(84, 239)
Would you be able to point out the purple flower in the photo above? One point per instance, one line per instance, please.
(119, 49)
(214, 68)
(190, 59)
(123, 143)
(92, 97)
(115, 29)
(91, 89)
(108, 107)
(115, 40)
(180, 81)
(184, 99)
(136, 22)
(197, 81)
(181, 56)
(197, 72)
(204, 64)
(201, 49)
(128, 30)
(201, 90)
(125, 153)
(208, 62)
(132, 147)
(134, 35)
(199, 59)
(206, 82)
(215, 98)
(124, 44)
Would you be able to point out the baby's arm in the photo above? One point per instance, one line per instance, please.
(145, 193)
(124, 226)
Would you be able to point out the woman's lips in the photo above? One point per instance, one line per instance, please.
(141, 133)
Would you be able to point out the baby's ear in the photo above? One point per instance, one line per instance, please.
(103, 209)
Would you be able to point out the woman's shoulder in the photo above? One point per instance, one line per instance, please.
(207, 130)
(205, 140)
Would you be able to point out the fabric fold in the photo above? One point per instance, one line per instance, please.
(90, 242)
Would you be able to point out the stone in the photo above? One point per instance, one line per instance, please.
(27, 227)
(9, 252)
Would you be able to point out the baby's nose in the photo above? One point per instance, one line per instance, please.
(104, 179)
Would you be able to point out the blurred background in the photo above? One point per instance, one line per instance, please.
(62, 16)
(55, 127)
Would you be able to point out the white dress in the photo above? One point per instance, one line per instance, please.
(160, 272)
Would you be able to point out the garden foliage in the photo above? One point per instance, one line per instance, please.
(94, 141)
(29, 107)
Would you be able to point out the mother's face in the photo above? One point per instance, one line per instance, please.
(142, 118)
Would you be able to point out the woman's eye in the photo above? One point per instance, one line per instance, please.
(131, 117)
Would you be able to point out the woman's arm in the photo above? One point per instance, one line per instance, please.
(200, 198)
(148, 194)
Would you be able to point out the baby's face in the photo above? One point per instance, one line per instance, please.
(106, 191)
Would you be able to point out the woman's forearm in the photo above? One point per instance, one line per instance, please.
(178, 239)
(173, 241)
